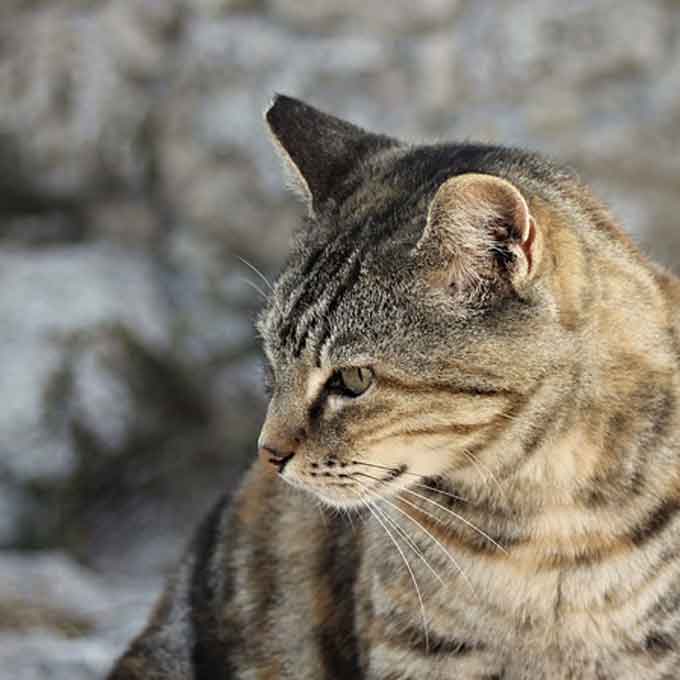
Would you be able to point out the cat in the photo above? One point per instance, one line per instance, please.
(470, 463)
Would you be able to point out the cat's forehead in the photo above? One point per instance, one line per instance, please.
(347, 303)
(319, 307)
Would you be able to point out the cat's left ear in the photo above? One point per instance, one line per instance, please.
(319, 151)
(479, 228)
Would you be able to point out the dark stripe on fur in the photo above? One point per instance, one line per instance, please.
(342, 290)
(658, 644)
(330, 298)
(212, 654)
(655, 522)
(414, 639)
(338, 568)
(327, 268)
(460, 389)
(552, 415)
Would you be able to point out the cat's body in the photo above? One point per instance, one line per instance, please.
(509, 448)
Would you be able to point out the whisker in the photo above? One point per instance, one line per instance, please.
(404, 500)
(348, 515)
(253, 268)
(437, 542)
(477, 463)
(255, 287)
(482, 469)
(422, 511)
(477, 467)
(465, 521)
(385, 467)
(423, 486)
(375, 479)
(434, 538)
(320, 508)
(410, 542)
(408, 567)
(393, 469)
(420, 484)
(444, 493)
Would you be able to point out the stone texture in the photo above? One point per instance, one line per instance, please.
(49, 299)
(135, 174)
(59, 620)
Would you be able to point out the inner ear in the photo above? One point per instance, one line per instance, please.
(481, 228)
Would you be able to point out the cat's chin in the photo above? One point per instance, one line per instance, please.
(349, 498)
(337, 502)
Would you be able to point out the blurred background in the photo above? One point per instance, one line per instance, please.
(135, 172)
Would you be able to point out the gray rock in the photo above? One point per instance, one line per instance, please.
(39, 656)
(400, 16)
(60, 620)
(49, 300)
(52, 582)
(73, 106)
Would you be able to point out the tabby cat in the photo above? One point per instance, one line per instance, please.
(470, 464)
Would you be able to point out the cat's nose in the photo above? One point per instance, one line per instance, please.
(277, 458)
(278, 445)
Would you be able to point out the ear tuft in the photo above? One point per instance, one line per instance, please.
(319, 150)
(479, 228)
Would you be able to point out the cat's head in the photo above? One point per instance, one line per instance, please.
(419, 307)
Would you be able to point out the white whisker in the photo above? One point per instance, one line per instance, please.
(402, 532)
(477, 466)
(480, 466)
(465, 521)
(437, 542)
(444, 493)
(320, 508)
(253, 268)
(408, 567)
(255, 287)
(386, 467)
(348, 515)
(394, 470)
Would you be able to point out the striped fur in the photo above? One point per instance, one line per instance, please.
(504, 501)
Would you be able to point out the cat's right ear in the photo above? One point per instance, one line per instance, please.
(481, 236)
(318, 150)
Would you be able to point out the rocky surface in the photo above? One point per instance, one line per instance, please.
(60, 620)
(135, 172)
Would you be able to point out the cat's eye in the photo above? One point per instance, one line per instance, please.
(350, 382)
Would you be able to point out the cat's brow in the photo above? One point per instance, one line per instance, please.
(316, 379)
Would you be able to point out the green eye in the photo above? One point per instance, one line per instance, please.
(351, 382)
